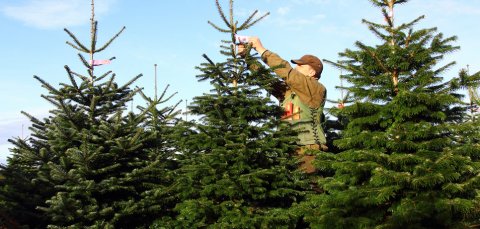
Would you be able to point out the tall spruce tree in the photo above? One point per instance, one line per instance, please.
(90, 163)
(237, 163)
(401, 162)
(157, 173)
(21, 189)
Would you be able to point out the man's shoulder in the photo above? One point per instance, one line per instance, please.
(317, 82)
(319, 88)
(321, 85)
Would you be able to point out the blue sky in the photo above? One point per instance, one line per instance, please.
(174, 35)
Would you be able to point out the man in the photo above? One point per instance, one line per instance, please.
(301, 95)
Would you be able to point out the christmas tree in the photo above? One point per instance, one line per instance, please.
(401, 163)
(22, 190)
(237, 163)
(90, 163)
(336, 121)
(156, 174)
(473, 94)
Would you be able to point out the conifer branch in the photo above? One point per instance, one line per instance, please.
(395, 75)
(67, 111)
(133, 93)
(394, 72)
(131, 82)
(425, 39)
(93, 37)
(20, 144)
(161, 99)
(232, 24)
(374, 56)
(110, 82)
(217, 70)
(441, 46)
(378, 33)
(145, 97)
(408, 38)
(444, 68)
(235, 29)
(164, 92)
(387, 17)
(130, 96)
(227, 53)
(50, 100)
(143, 113)
(219, 111)
(47, 86)
(335, 64)
(218, 28)
(410, 24)
(373, 24)
(79, 46)
(104, 75)
(255, 22)
(222, 15)
(84, 78)
(246, 22)
(93, 104)
(74, 83)
(173, 109)
(110, 41)
(85, 62)
(32, 119)
(229, 48)
(76, 47)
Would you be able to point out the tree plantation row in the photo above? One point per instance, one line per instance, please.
(403, 146)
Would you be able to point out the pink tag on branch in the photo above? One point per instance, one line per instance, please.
(99, 62)
(241, 39)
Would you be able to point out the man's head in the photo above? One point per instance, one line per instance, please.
(309, 65)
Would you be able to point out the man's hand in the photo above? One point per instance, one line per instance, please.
(257, 44)
(241, 50)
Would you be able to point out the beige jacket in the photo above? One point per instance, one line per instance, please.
(308, 89)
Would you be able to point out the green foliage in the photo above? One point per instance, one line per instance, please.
(237, 162)
(91, 163)
(404, 159)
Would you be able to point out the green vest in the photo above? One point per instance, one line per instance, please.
(305, 120)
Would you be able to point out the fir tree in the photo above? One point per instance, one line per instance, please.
(335, 120)
(401, 162)
(90, 163)
(157, 173)
(237, 163)
(26, 182)
(473, 94)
